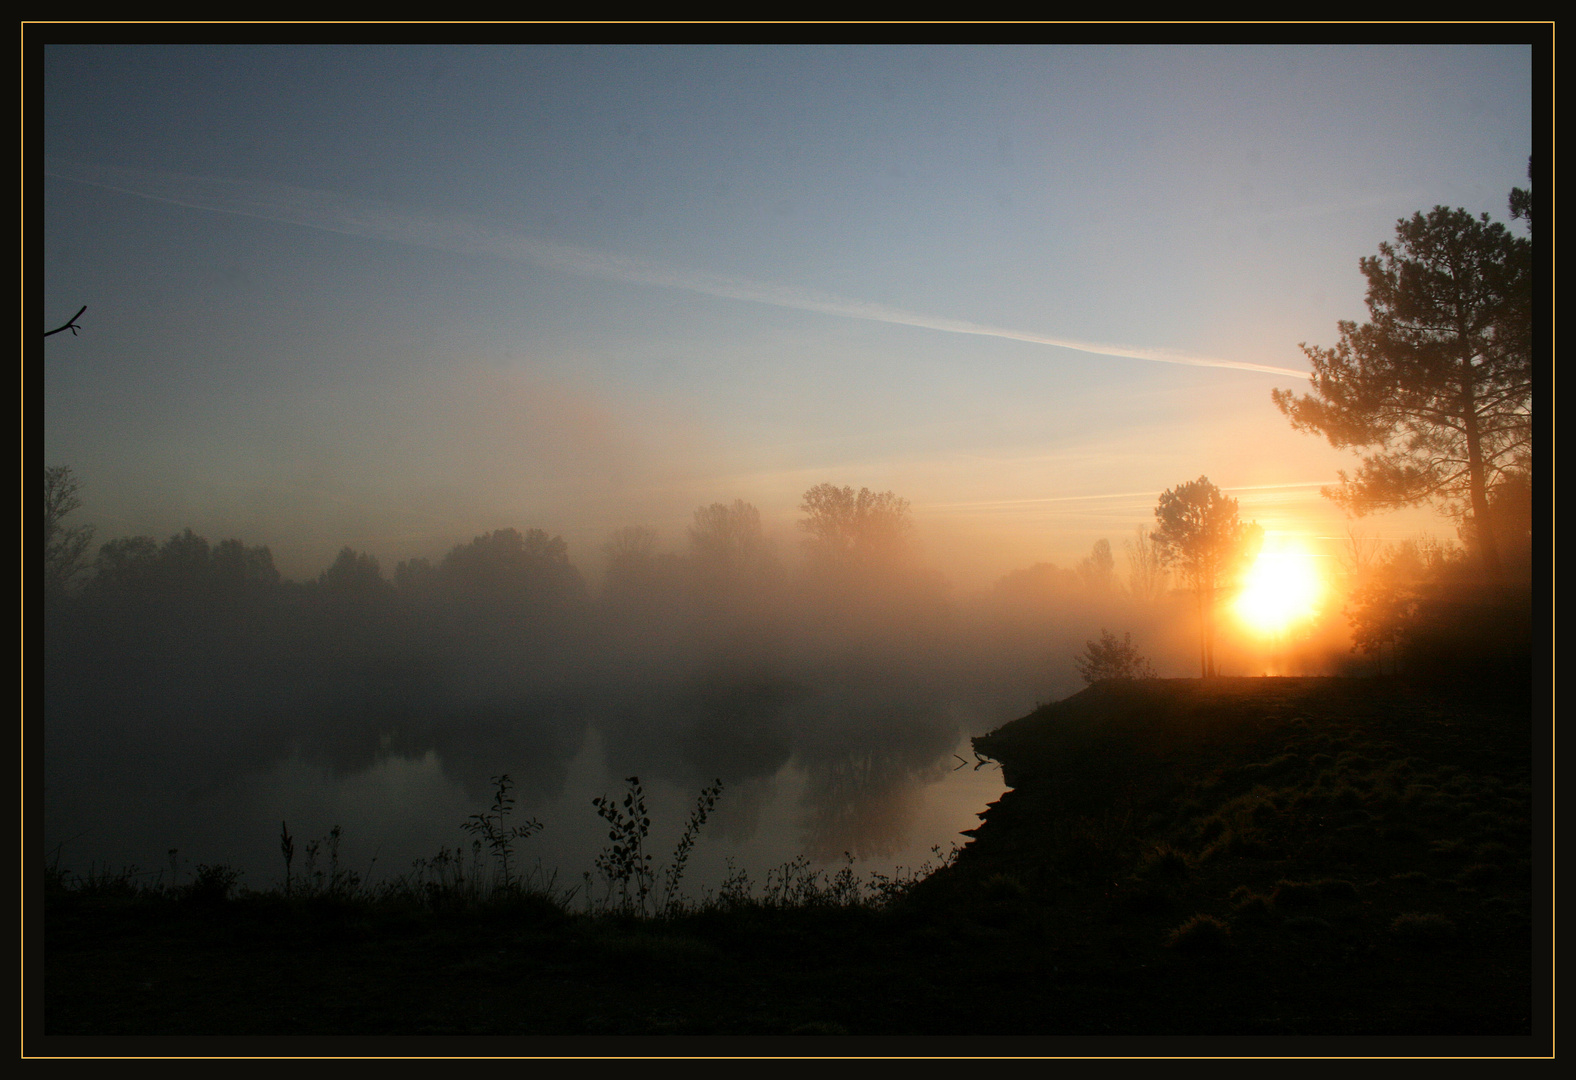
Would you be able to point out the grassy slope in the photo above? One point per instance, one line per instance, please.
(1361, 852)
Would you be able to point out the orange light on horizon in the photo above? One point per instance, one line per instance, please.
(1283, 588)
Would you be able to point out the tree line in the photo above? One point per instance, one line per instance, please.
(848, 536)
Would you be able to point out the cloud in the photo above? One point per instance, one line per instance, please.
(377, 220)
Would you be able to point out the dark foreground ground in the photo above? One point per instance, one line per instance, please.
(1238, 858)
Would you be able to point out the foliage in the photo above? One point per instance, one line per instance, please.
(1036, 585)
(1385, 600)
(211, 884)
(1381, 611)
(509, 566)
(1202, 535)
(493, 828)
(625, 863)
(416, 578)
(353, 575)
(1404, 572)
(1521, 199)
(1419, 608)
(1098, 569)
(65, 547)
(1439, 381)
(726, 540)
(1510, 511)
(184, 565)
(1109, 658)
(126, 562)
(237, 566)
(631, 554)
(1146, 573)
(863, 530)
(632, 545)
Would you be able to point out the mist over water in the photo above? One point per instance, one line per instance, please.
(194, 702)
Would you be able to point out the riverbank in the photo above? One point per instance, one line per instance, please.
(1264, 857)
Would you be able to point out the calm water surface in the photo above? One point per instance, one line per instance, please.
(888, 797)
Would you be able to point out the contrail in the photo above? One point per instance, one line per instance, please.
(383, 221)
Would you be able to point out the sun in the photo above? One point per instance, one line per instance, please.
(1282, 588)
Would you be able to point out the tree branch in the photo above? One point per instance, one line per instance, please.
(71, 323)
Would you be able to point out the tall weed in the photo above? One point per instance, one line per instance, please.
(625, 863)
(493, 828)
(675, 871)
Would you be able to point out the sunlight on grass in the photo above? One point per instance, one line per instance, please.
(1283, 588)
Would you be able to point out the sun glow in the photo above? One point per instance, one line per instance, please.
(1284, 587)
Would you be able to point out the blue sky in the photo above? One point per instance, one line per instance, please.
(395, 296)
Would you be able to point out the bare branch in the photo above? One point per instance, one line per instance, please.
(71, 323)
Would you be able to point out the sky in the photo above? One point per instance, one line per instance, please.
(392, 297)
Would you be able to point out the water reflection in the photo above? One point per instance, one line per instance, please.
(198, 721)
(886, 806)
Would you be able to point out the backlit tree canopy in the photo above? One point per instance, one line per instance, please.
(1439, 382)
(855, 530)
(1199, 532)
(726, 540)
(506, 567)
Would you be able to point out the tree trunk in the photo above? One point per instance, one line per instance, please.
(1488, 546)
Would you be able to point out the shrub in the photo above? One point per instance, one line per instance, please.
(625, 862)
(1110, 659)
(212, 884)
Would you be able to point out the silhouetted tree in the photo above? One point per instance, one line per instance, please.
(726, 540)
(184, 566)
(1520, 201)
(1109, 659)
(65, 547)
(630, 547)
(1036, 586)
(1510, 523)
(416, 578)
(507, 567)
(353, 575)
(1440, 379)
(236, 566)
(126, 563)
(1146, 572)
(848, 530)
(631, 554)
(1201, 534)
(1098, 569)
(1384, 602)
